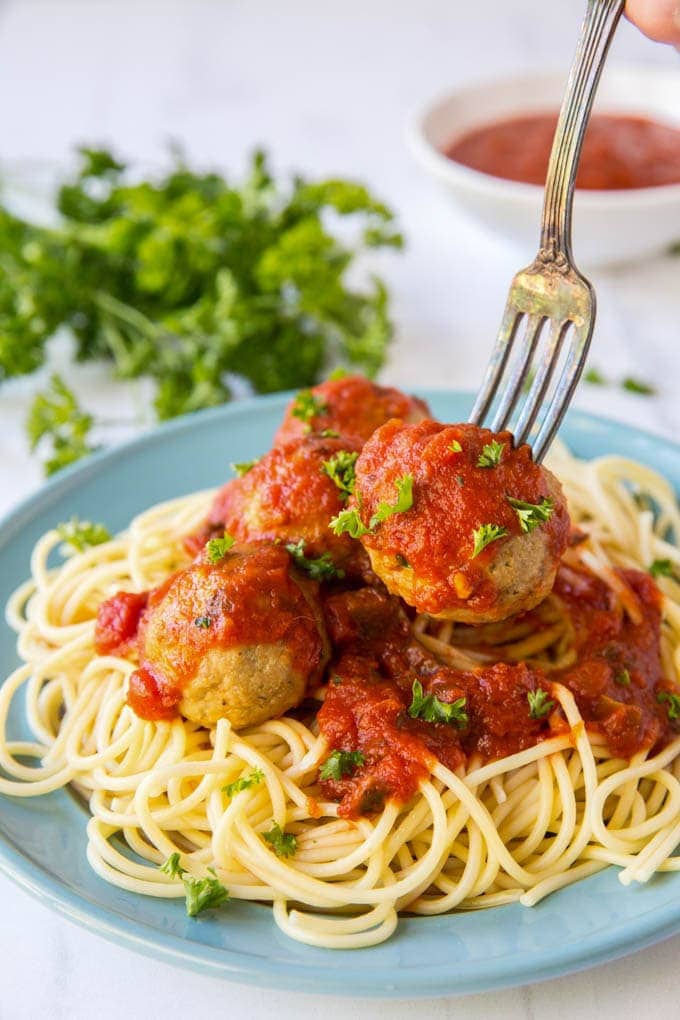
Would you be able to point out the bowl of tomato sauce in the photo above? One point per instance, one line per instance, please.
(489, 145)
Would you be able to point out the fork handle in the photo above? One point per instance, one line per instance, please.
(597, 31)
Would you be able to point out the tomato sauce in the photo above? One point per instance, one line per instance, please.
(118, 621)
(619, 151)
(616, 680)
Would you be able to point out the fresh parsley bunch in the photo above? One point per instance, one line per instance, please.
(191, 280)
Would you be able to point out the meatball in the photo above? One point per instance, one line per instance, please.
(457, 521)
(289, 496)
(351, 406)
(240, 639)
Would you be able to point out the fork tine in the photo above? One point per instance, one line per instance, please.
(540, 384)
(513, 386)
(564, 390)
(496, 364)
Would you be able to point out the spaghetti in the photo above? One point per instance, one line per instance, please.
(483, 835)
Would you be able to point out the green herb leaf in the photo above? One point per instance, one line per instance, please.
(57, 422)
(329, 434)
(485, 535)
(455, 446)
(491, 454)
(402, 561)
(539, 703)
(320, 569)
(306, 407)
(81, 535)
(242, 468)
(341, 763)
(637, 386)
(200, 893)
(244, 783)
(189, 280)
(673, 703)
(340, 469)
(404, 502)
(284, 844)
(217, 548)
(203, 621)
(594, 377)
(172, 867)
(622, 678)
(661, 568)
(348, 522)
(531, 514)
(204, 893)
(431, 709)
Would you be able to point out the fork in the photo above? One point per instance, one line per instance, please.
(551, 294)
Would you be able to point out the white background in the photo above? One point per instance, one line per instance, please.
(327, 88)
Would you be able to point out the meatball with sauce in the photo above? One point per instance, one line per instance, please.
(290, 496)
(352, 406)
(457, 521)
(240, 638)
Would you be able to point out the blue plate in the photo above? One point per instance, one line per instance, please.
(42, 840)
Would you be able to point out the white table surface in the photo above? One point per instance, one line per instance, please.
(326, 87)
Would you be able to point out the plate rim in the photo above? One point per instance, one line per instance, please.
(626, 937)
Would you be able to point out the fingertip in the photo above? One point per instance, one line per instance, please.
(657, 19)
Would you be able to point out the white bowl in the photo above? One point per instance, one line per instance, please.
(609, 226)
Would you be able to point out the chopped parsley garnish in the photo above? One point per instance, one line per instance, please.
(56, 422)
(455, 446)
(217, 548)
(402, 561)
(338, 373)
(307, 406)
(431, 709)
(337, 680)
(284, 844)
(330, 434)
(81, 535)
(531, 514)
(320, 569)
(539, 703)
(348, 522)
(203, 621)
(200, 893)
(244, 783)
(622, 678)
(340, 469)
(673, 703)
(242, 468)
(637, 386)
(485, 535)
(661, 568)
(491, 454)
(341, 763)
(594, 377)
(404, 502)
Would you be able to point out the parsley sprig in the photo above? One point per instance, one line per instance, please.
(244, 783)
(673, 703)
(431, 709)
(484, 535)
(491, 454)
(307, 407)
(539, 703)
(284, 844)
(57, 424)
(190, 279)
(340, 469)
(661, 568)
(341, 763)
(404, 502)
(322, 568)
(217, 548)
(81, 535)
(200, 893)
(531, 514)
(242, 468)
(349, 522)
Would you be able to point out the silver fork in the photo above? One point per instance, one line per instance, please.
(551, 292)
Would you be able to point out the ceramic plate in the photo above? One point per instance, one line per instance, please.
(42, 840)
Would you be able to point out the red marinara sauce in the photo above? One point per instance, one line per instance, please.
(620, 151)
(118, 621)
